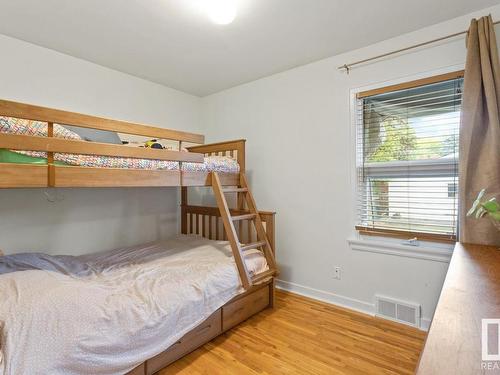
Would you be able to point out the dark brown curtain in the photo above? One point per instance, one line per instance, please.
(480, 130)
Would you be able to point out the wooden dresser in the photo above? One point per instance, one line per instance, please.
(470, 293)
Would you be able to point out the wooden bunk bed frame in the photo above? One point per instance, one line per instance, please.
(51, 175)
(243, 226)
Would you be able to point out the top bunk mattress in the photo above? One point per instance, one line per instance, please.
(36, 128)
(106, 313)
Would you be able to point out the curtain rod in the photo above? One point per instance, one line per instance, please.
(347, 67)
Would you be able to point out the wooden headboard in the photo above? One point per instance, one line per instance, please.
(234, 149)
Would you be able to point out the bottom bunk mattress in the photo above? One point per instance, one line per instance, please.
(105, 313)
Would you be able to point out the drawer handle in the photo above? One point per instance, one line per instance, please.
(243, 307)
(257, 300)
(238, 310)
(201, 330)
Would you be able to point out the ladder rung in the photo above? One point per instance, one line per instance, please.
(262, 276)
(235, 190)
(244, 217)
(253, 245)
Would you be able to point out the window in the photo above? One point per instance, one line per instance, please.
(407, 158)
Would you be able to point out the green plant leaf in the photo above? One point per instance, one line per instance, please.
(481, 194)
(480, 212)
(473, 208)
(491, 205)
(476, 203)
(495, 215)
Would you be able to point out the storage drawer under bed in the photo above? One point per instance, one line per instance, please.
(242, 308)
(202, 334)
(228, 316)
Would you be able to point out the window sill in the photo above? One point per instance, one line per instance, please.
(385, 246)
(405, 235)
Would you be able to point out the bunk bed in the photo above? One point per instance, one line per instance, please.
(244, 229)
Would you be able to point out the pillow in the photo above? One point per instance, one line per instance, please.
(27, 127)
(36, 128)
(94, 135)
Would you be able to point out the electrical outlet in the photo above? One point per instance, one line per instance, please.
(336, 273)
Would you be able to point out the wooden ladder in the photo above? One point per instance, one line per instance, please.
(262, 242)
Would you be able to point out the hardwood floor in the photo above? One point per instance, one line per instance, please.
(303, 336)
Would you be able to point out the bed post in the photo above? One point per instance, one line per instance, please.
(184, 200)
(269, 218)
(51, 171)
(240, 158)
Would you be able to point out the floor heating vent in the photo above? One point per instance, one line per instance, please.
(399, 311)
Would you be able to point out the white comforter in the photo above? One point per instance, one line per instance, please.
(106, 313)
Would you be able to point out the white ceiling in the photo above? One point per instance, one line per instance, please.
(174, 43)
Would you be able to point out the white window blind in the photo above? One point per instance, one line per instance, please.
(407, 159)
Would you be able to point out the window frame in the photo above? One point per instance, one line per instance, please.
(433, 167)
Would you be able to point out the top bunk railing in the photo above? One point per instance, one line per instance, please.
(56, 116)
(51, 144)
(53, 173)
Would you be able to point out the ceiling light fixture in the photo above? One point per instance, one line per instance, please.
(221, 12)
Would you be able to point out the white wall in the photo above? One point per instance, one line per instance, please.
(83, 220)
(300, 159)
(298, 128)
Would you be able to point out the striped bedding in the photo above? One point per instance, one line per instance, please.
(37, 128)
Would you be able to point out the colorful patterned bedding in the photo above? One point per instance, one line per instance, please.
(36, 128)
